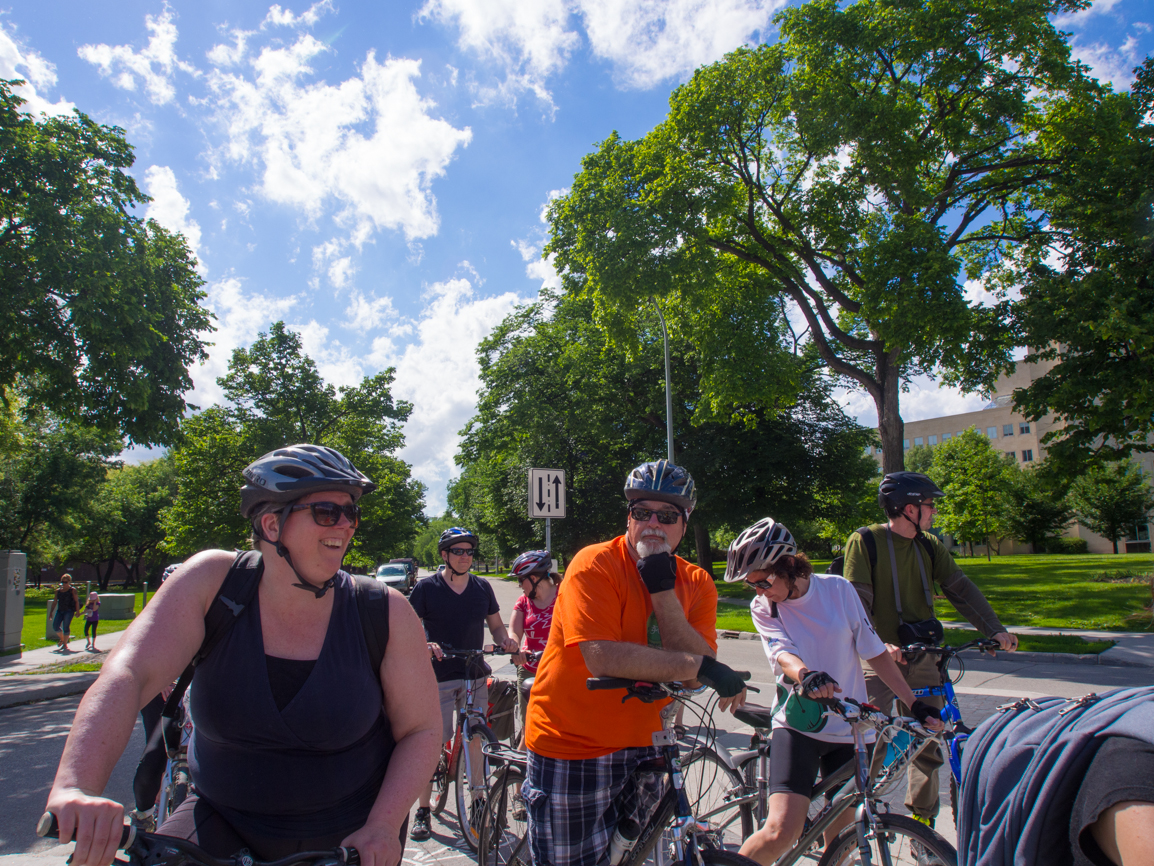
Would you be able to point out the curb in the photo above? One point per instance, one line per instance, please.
(1036, 658)
(21, 689)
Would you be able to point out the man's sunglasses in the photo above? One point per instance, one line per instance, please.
(642, 515)
(329, 513)
(461, 551)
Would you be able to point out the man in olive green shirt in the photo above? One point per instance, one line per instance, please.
(899, 588)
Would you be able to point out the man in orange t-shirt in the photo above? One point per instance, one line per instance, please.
(626, 608)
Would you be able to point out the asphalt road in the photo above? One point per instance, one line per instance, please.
(32, 738)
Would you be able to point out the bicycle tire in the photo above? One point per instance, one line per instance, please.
(954, 799)
(442, 778)
(504, 824)
(900, 835)
(718, 857)
(709, 785)
(470, 803)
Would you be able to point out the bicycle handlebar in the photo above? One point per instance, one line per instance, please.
(982, 644)
(140, 842)
(852, 710)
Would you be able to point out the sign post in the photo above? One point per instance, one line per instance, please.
(547, 498)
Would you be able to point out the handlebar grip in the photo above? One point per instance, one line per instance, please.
(602, 683)
(49, 827)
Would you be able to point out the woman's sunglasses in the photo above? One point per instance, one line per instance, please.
(642, 515)
(329, 513)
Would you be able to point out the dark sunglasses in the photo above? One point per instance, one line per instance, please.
(760, 584)
(462, 551)
(329, 513)
(642, 515)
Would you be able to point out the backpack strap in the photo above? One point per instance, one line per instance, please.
(871, 545)
(373, 607)
(235, 593)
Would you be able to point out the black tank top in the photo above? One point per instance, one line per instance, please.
(311, 769)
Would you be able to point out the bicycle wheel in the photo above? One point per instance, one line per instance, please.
(441, 780)
(907, 842)
(503, 839)
(712, 787)
(471, 796)
(715, 857)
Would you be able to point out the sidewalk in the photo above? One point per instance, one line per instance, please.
(17, 686)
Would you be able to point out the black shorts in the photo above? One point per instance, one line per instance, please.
(795, 760)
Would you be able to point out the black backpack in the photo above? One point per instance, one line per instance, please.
(837, 566)
(234, 595)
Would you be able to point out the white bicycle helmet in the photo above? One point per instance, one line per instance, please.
(757, 548)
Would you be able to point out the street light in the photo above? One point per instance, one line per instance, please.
(668, 383)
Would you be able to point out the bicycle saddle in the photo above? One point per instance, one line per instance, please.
(754, 716)
(527, 686)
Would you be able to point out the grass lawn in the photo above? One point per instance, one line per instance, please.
(36, 604)
(1042, 591)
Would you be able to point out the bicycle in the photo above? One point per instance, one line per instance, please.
(688, 834)
(175, 783)
(462, 759)
(951, 712)
(150, 849)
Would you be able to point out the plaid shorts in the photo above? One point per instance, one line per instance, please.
(574, 806)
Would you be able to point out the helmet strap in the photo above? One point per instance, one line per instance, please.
(283, 552)
(536, 583)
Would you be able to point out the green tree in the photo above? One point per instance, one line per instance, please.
(50, 474)
(975, 476)
(99, 310)
(920, 458)
(559, 391)
(122, 524)
(1087, 297)
(1037, 505)
(1112, 499)
(278, 398)
(853, 175)
(425, 544)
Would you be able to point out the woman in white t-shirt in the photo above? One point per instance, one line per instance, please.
(815, 632)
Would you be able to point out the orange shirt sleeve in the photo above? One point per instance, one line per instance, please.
(592, 603)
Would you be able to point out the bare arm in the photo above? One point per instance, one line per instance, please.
(500, 634)
(676, 632)
(611, 658)
(155, 648)
(411, 703)
(1125, 832)
(517, 627)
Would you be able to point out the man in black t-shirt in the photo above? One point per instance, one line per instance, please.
(454, 607)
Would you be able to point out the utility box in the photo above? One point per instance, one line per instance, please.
(14, 574)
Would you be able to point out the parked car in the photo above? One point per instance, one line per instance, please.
(397, 576)
(409, 563)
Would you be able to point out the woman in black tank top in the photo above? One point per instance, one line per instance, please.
(298, 743)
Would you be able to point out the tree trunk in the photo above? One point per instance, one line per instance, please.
(701, 540)
(891, 428)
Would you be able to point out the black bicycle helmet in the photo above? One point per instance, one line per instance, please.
(455, 535)
(899, 489)
(287, 474)
(757, 548)
(663, 481)
(532, 562)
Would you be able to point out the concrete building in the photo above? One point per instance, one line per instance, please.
(1020, 438)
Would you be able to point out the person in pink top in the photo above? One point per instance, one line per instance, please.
(532, 615)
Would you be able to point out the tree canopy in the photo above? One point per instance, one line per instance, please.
(558, 391)
(825, 199)
(100, 314)
(279, 398)
(975, 476)
(1112, 499)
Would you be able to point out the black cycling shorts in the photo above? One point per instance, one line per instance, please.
(795, 760)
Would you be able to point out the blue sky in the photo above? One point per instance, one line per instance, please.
(375, 173)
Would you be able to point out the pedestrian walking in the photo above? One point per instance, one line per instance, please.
(91, 621)
(62, 608)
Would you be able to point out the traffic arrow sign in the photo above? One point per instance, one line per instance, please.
(546, 493)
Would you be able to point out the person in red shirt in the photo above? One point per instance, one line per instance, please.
(532, 616)
(627, 608)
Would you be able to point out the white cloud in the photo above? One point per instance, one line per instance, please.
(1079, 18)
(925, 399)
(439, 374)
(647, 42)
(154, 66)
(652, 42)
(369, 144)
(169, 208)
(336, 363)
(538, 267)
(18, 61)
(1112, 65)
(278, 17)
(239, 317)
(369, 313)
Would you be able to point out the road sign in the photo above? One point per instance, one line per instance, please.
(546, 493)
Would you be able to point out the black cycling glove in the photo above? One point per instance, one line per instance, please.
(721, 678)
(659, 571)
(814, 680)
(923, 711)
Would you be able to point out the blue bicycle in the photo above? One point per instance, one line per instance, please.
(951, 713)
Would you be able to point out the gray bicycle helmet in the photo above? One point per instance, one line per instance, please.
(287, 474)
(532, 562)
(757, 548)
(455, 535)
(664, 482)
(899, 489)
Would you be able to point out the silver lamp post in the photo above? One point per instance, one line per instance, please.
(668, 382)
